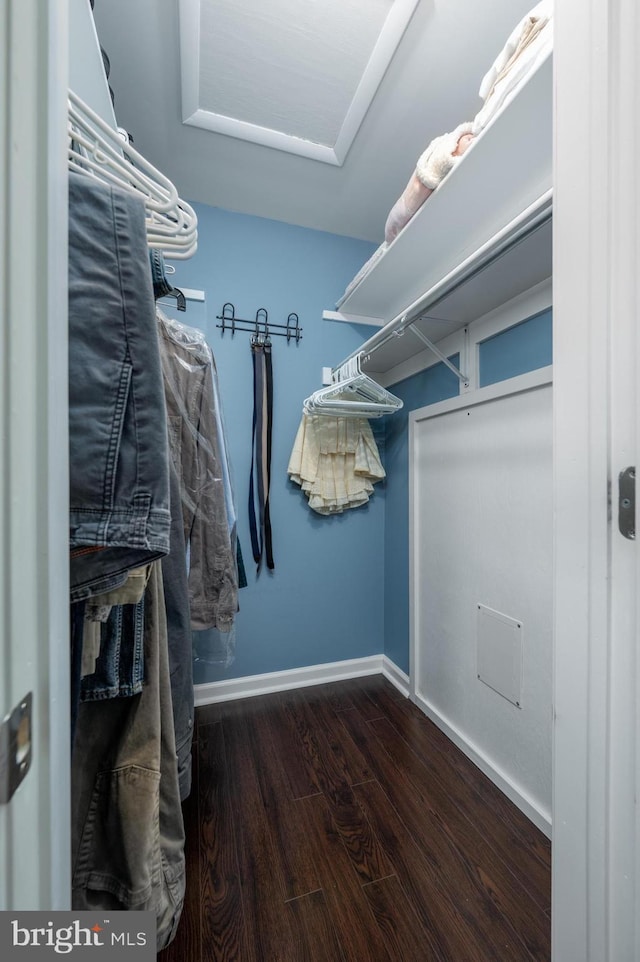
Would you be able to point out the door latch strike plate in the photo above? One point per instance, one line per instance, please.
(16, 748)
(627, 503)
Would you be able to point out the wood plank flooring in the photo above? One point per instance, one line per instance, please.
(338, 824)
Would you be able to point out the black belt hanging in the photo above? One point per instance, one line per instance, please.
(261, 440)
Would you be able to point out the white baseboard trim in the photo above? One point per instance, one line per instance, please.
(272, 681)
(396, 676)
(511, 789)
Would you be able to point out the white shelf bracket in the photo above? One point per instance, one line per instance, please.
(438, 353)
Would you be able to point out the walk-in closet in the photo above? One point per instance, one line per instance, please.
(319, 437)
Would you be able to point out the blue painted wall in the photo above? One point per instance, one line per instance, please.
(324, 601)
(524, 347)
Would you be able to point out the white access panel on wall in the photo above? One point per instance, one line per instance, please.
(499, 652)
(482, 539)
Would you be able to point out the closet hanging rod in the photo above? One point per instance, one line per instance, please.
(526, 223)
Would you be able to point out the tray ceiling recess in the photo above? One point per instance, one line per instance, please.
(295, 75)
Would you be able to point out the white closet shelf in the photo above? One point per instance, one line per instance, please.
(483, 237)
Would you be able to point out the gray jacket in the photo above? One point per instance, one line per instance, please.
(187, 365)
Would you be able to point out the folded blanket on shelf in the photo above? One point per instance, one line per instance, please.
(527, 46)
(336, 462)
(442, 154)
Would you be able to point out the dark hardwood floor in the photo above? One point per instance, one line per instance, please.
(338, 824)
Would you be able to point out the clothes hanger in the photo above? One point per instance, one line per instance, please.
(162, 286)
(181, 301)
(352, 394)
(97, 149)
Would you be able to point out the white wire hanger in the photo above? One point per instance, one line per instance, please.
(352, 394)
(98, 149)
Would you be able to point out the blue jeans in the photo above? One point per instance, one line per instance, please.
(120, 666)
(120, 670)
(119, 476)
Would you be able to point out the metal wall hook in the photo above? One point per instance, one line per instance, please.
(260, 327)
(228, 314)
(295, 330)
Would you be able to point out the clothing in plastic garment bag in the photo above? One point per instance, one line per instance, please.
(189, 372)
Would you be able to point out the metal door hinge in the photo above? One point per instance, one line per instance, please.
(15, 748)
(627, 503)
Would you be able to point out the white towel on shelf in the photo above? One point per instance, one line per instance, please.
(527, 46)
(335, 461)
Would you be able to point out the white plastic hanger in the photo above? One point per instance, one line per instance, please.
(352, 394)
(97, 149)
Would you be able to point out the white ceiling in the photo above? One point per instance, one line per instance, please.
(306, 70)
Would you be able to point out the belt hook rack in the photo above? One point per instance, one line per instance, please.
(260, 327)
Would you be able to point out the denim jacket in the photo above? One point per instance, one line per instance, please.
(118, 457)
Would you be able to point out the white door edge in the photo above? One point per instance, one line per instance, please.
(596, 362)
(34, 589)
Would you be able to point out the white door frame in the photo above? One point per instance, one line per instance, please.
(596, 362)
(34, 636)
(596, 871)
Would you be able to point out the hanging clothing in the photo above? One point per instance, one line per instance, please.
(188, 371)
(118, 454)
(131, 681)
(229, 499)
(261, 442)
(161, 286)
(336, 462)
(119, 670)
(176, 601)
(127, 826)
(242, 574)
(76, 628)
